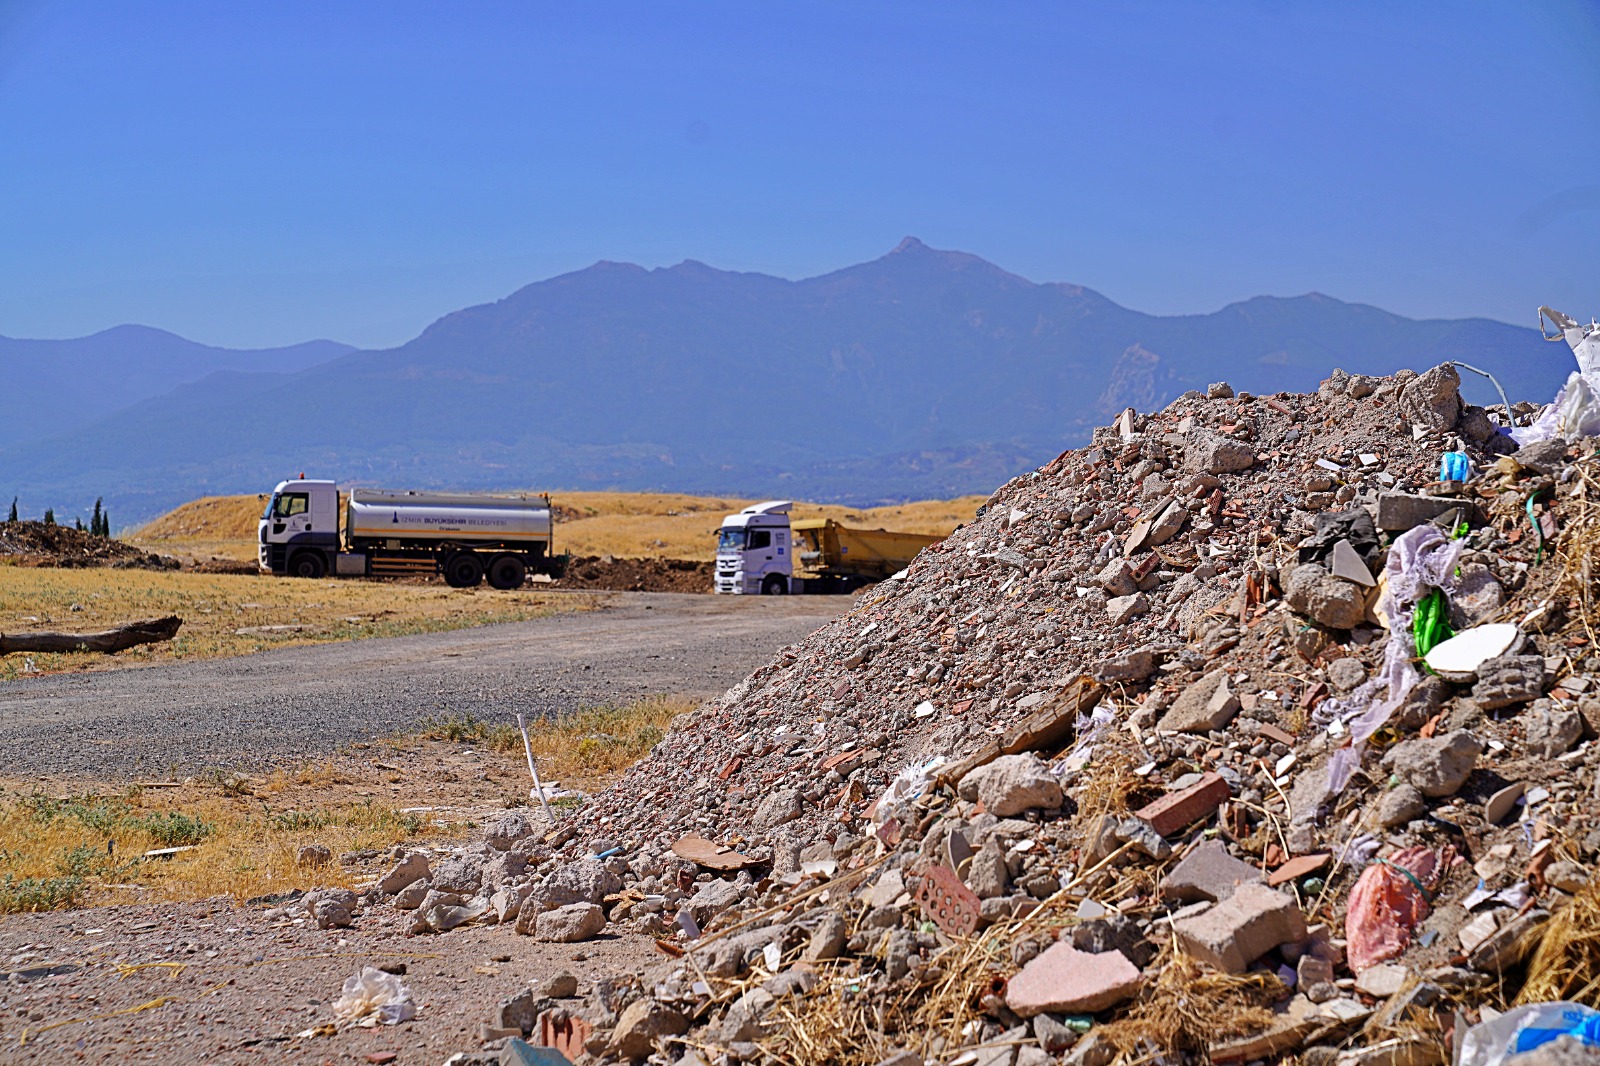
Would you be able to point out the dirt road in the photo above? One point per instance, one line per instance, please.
(282, 707)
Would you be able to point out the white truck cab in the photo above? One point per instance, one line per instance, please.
(755, 551)
(300, 528)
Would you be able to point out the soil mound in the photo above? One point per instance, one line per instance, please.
(38, 544)
(613, 574)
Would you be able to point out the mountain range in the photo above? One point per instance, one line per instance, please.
(920, 373)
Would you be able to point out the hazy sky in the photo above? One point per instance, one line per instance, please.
(254, 174)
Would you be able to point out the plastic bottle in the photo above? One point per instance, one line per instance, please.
(1454, 467)
(1521, 1029)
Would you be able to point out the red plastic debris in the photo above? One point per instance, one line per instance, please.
(1390, 900)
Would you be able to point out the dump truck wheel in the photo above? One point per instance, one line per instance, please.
(308, 564)
(774, 585)
(507, 572)
(463, 570)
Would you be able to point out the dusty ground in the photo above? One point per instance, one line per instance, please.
(282, 707)
(236, 985)
(226, 614)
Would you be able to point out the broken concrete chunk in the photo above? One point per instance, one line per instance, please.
(1436, 766)
(1133, 665)
(1207, 873)
(642, 1025)
(1013, 784)
(572, 923)
(1509, 679)
(1236, 932)
(1124, 609)
(1215, 454)
(1117, 579)
(1433, 400)
(784, 805)
(1323, 598)
(1551, 730)
(1206, 705)
(1346, 674)
(1401, 804)
(412, 868)
(1400, 511)
(1064, 980)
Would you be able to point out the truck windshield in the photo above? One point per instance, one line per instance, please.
(272, 501)
(730, 540)
(291, 503)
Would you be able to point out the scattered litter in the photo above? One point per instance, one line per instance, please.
(373, 997)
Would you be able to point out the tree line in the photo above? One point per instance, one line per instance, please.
(99, 522)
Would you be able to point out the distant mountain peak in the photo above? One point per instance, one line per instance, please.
(910, 244)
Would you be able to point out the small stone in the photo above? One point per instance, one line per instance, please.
(1436, 766)
(1236, 932)
(1117, 579)
(1053, 1036)
(642, 1024)
(1401, 804)
(1135, 665)
(1346, 674)
(572, 923)
(1323, 598)
(987, 874)
(1566, 875)
(828, 940)
(1381, 981)
(1507, 680)
(313, 856)
(1014, 784)
(1114, 932)
(1208, 704)
(1433, 400)
(1207, 873)
(1215, 454)
(1064, 980)
(412, 868)
(519, 1012)
(782, 806)
(562, 986)
(507, 830)
(1219, 390)
(1551, 730)
(1124, 609)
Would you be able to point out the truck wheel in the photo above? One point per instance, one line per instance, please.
(308, 564)
(463, 570)
(774, 585)
(507, 572)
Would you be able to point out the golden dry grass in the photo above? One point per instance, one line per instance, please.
(631, 524)
(216, 607)
(246, 831)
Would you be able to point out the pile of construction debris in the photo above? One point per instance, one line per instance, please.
(48, 544)
(1147, 763)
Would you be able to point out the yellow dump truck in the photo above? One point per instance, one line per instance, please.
(761, 552)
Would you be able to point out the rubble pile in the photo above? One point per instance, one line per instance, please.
(39, 544)
(1237, 735)
(621, 574)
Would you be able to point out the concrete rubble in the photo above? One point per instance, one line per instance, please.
(1067, 790)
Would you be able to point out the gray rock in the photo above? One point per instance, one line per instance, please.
(1433, 400)
(563, 985)
(1475, 424)
(1117, 579)
(334, 908)
(827, 940)
(1551, 730)
(986, 874)
(1401, 804)
(411, 897)
(1124, 609)
(712, 898)
(583, 881)
(519, 1012)
(1323, 598)
(1346, 674)
(901, 946)
(507, 830)
(791, 983)
(412, 868)
(1206, 705)
(1545, 457)
(1219, 390)
(1508, 680)
(642, 1024)
(1214, 454)
(313, 856)
(1208, 872)
(459, 873)
(1013, 784)
(1436, 766)
(1053, 1036)
(1134, 665)
(1426, 699)
(1477, 596)
(1115, 932)
(784, 805)
(570, 924)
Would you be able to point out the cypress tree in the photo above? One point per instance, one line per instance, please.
(13, 517)
(105, 524)
(77, 523)
(94, 519)
(49, 516)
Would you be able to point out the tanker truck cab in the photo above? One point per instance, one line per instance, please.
(300, 528)
(754, 551)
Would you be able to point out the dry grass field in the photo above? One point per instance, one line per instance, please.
(231, 614)
(67, 844)
(632, 524)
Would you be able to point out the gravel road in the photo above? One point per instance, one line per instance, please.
(278, 708)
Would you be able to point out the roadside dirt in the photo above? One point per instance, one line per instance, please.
(278, 708)
(638, 575)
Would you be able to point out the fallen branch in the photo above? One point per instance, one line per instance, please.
(148, 631)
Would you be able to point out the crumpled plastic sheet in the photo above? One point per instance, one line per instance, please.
(1572, 415)
(1091, 728)
(373, 997)
(1422, 559)
(1386, 905)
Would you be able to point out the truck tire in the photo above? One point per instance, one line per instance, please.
(775, 585)
(507, 572)
(463, 570)
(308, 564)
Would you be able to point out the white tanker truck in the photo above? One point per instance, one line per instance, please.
(466, 536)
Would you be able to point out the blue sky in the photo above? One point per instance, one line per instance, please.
(250, 174)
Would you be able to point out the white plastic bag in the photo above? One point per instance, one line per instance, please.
(907, 785)
(372, 996)
(1522, 1029)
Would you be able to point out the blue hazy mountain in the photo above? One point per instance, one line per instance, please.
(921, 373)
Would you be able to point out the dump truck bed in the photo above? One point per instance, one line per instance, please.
(824, 548)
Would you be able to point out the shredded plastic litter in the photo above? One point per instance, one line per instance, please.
(1390, 900)
(1575, 412)
(1422, 560)
(1522, 1029)
(907, 785)
(373, 997)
